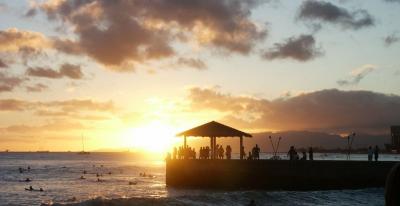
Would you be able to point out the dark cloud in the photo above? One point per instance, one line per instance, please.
(357, 75)
(192, 62)
(321, 11)
(71, 71)
(391, 39)
(9, 83)
(301, 48)
(36, 88)
(66, 70)
(43, 72)
(328, 110)
(119, 33)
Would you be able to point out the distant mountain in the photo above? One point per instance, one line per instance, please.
(317, 139)
(299, 139)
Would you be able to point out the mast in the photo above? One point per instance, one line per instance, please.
(83, 144)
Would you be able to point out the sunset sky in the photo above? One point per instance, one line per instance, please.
(131, 74)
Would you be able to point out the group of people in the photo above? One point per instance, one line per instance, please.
(184, 153)
(373, 152)
(254, 154)
(204, 152)
(293, 155)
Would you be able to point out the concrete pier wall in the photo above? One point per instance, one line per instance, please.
(276, 174)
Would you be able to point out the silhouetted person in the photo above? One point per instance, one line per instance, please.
(250, 157)
(228, 152)
(310, 154)
(221, 152)
(27, 180)
(370, 152)
(29, 168)
(376, 152)
(20, 170)
(304, 157)
(256, 152)
(41, 189)
(392, 187)
(174, 153)
(30, 188)
(292, 153)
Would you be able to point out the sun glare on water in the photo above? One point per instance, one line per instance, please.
(154, 137)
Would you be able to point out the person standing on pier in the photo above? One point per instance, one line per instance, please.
(292, 153)
(228, 152)
(174, 153)
(370, 153)
(310, 154)
(376, 152)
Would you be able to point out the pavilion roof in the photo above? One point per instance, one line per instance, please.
(214, 129)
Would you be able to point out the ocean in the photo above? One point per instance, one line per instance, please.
(122, 182)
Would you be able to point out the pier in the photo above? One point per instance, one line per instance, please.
(276, 174)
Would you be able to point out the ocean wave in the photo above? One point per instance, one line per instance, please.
(372, 196)
(128, 201)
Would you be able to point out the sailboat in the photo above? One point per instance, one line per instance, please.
(83, 149)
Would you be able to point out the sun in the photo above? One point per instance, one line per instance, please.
(153, 137)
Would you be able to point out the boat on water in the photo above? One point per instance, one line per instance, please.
(83, 152)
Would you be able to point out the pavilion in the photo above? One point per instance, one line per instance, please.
(213, 130)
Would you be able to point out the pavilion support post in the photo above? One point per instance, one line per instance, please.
(211, 147)
(184, 142)
(240, 149)
(215, 149)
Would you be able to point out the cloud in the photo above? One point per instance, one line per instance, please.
(301, 48)
(9, 83)
(14, 40)
(321, 11)
(71, 71)
(3, 7)
(13, 105)
(357, 75)
(391, 39)
(36, 88)
(120, 34)
(327, 110)
(54, 126)
(66, 70)
(393, 1)
(50, 108)
(3, 64)
(192, 62)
